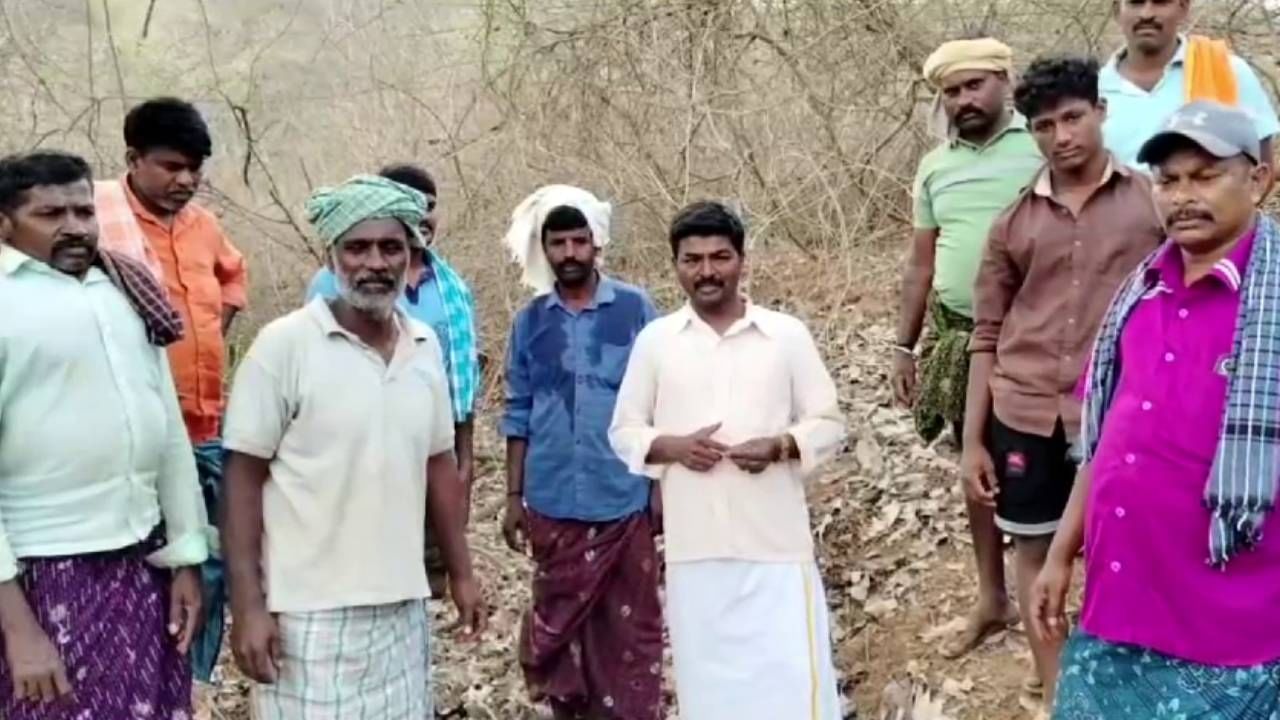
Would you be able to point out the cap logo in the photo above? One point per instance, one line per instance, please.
(1198, 119)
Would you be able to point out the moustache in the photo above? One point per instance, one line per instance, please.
(709, 282)
(73, 243)
(970, 113)
(571, 265)
(1148, 25)
(1190, 214)
(386, 282)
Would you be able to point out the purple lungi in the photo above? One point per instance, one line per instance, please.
(592, 643)
(107, 614)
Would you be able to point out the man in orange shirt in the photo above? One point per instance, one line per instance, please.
(168, 142)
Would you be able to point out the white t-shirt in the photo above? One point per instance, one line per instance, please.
(348, 436)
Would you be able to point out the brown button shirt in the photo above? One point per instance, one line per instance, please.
(1044, 283)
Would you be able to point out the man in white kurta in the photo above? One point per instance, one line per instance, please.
(729, 406)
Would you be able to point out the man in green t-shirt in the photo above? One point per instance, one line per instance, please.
(960, 187)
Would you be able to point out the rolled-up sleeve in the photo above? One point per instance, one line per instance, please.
(187, 531)
(519, 401)
(818, 426)
(229, 267)
(8, 561)
(994, 289)
(632, 432)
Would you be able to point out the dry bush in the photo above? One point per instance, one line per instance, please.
(808, 114)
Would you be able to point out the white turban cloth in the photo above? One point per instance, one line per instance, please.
(524, 238)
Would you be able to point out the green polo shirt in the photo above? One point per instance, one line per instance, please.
(959, 190)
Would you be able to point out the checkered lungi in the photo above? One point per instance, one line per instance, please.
(352, 663)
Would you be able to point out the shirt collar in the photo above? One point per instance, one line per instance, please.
(605, 294)
(1168, 268)
(754, 316)
(11, 259)
(1044, 184)
(320, 311)
(143, 214)
(1111, 71)
(1017, 124)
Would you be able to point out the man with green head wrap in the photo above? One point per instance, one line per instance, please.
(340, 432)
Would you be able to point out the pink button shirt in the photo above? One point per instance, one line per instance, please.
(1147, 529)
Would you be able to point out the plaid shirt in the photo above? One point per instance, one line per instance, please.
(460, 311)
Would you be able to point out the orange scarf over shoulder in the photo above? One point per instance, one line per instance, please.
(1208, 71)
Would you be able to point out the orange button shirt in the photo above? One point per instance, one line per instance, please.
(204, 273)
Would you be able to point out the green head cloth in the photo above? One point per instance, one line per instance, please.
(332, 211)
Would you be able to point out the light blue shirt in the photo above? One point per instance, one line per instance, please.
(1134, 115)
(93, 451)
(422, 303)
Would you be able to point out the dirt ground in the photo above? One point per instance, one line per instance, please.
(894, 552)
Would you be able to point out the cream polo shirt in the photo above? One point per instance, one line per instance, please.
(763, 377)
(348, 436)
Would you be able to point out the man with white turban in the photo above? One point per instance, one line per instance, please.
(340, 432)
(591, 644)
(961, 185)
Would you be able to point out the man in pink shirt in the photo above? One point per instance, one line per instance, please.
(1176, 500)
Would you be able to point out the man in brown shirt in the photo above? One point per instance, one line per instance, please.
(1052, 262)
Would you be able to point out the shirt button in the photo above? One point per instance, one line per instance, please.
(1146, 404)
(1115, 566)
(1119, 512)
(1168, 357)
(1183, 313)
(1131, 458)
(1071, 321)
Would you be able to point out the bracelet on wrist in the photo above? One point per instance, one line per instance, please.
(905, 350)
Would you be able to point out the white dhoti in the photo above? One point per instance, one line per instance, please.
(350, 664)
(751, 641)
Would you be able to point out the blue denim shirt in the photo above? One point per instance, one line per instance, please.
(563, 374)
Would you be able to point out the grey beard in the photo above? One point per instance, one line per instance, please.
(376, 304)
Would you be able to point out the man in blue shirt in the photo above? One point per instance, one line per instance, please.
(1145, 81)
(439, 298)
(591, 644)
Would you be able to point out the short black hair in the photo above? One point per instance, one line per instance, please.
(1049, 81)
(170, 123)
(20, 173)
(707, 217)
(415, 176)
(563, 217)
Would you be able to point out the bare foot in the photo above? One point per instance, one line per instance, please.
(982, 624)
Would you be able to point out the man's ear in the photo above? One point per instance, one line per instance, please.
(131, 158)
(1260, 178)
(6, 227)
